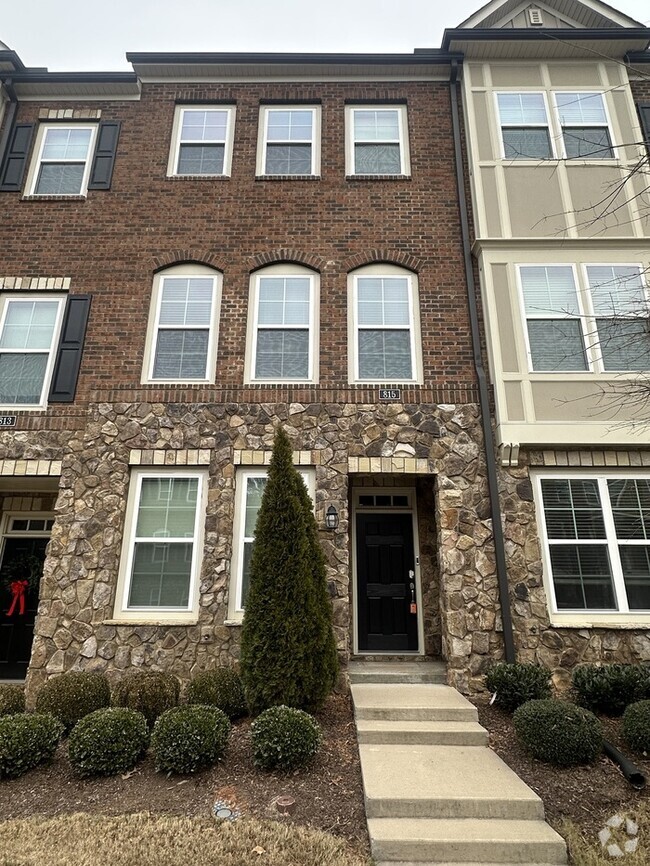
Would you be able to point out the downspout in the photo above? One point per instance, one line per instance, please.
(9, 118)
(484, 398)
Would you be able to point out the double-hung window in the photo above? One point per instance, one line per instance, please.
(29, 331)
(182, 334)
(289, 140)
(202, 140)
(620, 308)
(377, 140)
(596, 532)
(284, 315)
(585, 127)
(161, 555)
(525, 131)
(63, 159)
(384, 327)
(250, 488)
(555, 328)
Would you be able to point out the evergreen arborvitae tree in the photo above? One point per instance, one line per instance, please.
(288, 654)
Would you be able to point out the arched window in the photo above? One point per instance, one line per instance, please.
(183, 325)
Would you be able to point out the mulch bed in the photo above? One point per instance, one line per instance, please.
(586, 795)
(328, 794)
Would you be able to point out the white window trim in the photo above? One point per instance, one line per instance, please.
(265, 110)
(414, 323)
(586, 315)
(235, 611)
(547, 125)
(404, 151)
(283, 270)
(623, 617)
(122, 613)
(5, 299)
(608, 125)
(174, 152)
(35, 164)
(187, 270)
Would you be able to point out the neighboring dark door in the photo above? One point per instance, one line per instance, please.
(17, 630)
(385, 556)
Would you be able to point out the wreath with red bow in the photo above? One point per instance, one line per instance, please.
(18, 577)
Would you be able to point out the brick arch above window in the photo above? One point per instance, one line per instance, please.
(288, 256)
(188, 256)
(385, 256)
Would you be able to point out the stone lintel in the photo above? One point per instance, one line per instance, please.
(33, 467)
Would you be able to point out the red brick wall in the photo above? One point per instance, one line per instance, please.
(111, 243)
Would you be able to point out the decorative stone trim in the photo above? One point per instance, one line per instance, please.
(297, 257)
(30, 467)
(37, 284)
(168, 457)
(263, 458)
(69, 113)
(590, 458)
(395, 257)
(401, 465)
(181, 257)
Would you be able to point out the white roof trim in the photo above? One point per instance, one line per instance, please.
(545, 7)
(603, 9)
(4, 47)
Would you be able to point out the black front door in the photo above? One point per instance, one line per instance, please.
(21, 558)
(385, 570)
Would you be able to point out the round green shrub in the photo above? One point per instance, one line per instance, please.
(12, 699)
(73, 695)
(558, 732)
(608, 689)
(219, 688)
(108, 741)
(26, 740)
(284, 738)
(148, 692)
(636, 726)
(185, 739)
(515, 683)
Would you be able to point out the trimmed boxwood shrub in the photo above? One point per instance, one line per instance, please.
(636, 726)
(558, 732)
(284, 738)
(148, 692)
(73, 695)
(608, 689)
(108, 741)
(219, 688)
(185, 739)
(26, 740)
(516, 683)
(12, 699)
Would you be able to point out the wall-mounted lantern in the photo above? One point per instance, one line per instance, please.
(331, 518)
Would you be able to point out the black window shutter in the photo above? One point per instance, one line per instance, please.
(68, 355)
(644, 114)
(15, 158)
(102, 170)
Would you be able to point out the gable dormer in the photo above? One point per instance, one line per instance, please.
(553, 14)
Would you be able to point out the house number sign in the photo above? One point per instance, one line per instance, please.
(7, 420)
(390, 394)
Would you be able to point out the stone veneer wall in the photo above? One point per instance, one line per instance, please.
(74, 628)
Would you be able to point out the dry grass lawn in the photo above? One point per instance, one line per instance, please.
(590, 852)
(144, 839)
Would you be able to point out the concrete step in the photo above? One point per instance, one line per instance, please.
(421, 733)
(409, 781)
(464, 863)
(398, 672)
(464, 840)
(406, 702)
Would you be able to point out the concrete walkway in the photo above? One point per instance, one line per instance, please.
(435, 793)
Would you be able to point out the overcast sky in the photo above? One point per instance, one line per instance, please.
(89, 35)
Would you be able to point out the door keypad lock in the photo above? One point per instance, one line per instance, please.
(413, 607)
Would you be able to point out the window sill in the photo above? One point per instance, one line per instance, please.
(198, 177)
(363, 177)
(152, 622)
(234, 623)
(54, 198)
(624, 624)
(287, 177)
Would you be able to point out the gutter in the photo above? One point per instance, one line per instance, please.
(484, 396)
(9, 119)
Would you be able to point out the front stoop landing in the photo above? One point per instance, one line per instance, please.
(434, 792)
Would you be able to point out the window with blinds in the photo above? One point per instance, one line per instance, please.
(524, 123)
(584, 124)
(384, 329)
